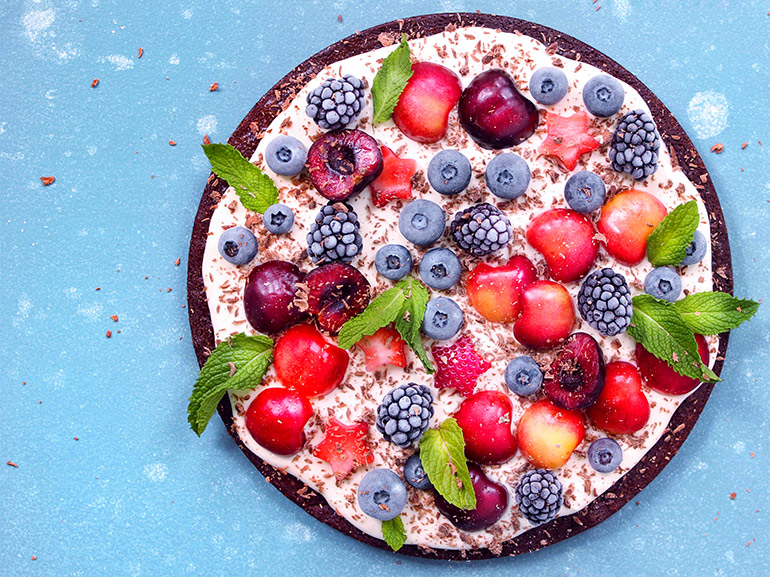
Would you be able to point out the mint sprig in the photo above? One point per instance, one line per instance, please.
(238, 363)
(394, 533)
(442, 453)
(667, 245)
(390, 81)
(254, 188)
(711, 313)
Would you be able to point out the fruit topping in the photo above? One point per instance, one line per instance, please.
(336, 292)
(481, 229)
(494, 290)
(342, 163)
(344, 447)
(567, 240)
(393, 261)
(336, 102)
(307, 363)
(334, 235)
(458, 365)
(238, 245)
(659, 376)
(449, 172)
(603, 95)
(285, 155)
(485, 419)
(491, 503)
(547, 435)
(276, 419)
(405, 413)
(440, 268)
(384, 347)
(635, 144)
(523, 376)
(494, 113)
(696, 249)
(568, 138)
(622, 408)
(584, 191)
(507, 175)
(578, 373)
(278, 219)
(395, 180)
(539, 496)
(605, 455)
(663, 283)
(548, 85)
(443, 319)
(626, 222)
(415, 474)
(268, 297)
(422, 222)
(604, 302)
(547, 315)
(382, 494)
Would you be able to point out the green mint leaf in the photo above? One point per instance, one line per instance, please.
(380, 313)
(394, 533)
(659, 327)
(250, 358)
(711, 313)
(254, 188)
(390, 81)
(409, 323)
(667, 245)
(442, 452)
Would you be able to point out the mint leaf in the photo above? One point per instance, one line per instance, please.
(409, 323)
(394, 533)
(254, 188)
(659, 327)
(711, 313)
(390, 81)
(667, 245)
(250, 357)
(380, 313)
(442, 452)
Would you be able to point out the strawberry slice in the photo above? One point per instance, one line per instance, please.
(344, 447)
(385, 347)
(459, 365)
(568, 138)
(395, 181)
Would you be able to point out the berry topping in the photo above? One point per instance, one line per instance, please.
(547, 434)
(405, 413)
(481, 229)
(344, 447)
(336, 292)
(696, 250)
(415, 474)
(395, 180)
(578, 373)
(584, 191)
(337, 102)
(449, 172)
(539, 496)
(459, 365)
(491, 503)
(341, 164)
(485, 419)
(604, 302)
(548, 85)
(659, 376)
(622, 407)
(269, 296)
(663, 283)
(635, 145)
(285, 155)
(494, 290)
(605, 455)
(393, 261)
(382, 494)
(440, 268)
(422, 222)
(334, 235)
(626, 222)
(507, 175)
(384, 347)
(603, 95)
(547, 315)
(238, 245)
(443, 319)
(276, 419)
(568, 138)
(523, 376)
(278, 219)
(567, 240)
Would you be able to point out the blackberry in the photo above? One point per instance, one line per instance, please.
(635, 145)
(604, 302)
(539, 495)
(337, 102)
(481, 229)
(405, 413)
(334, 235)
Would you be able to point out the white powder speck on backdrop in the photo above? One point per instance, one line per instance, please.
(119, 61)
(156, 472)
(207, 124)
(298, 532)
(708, 113)
(36, 22)
(174, 59)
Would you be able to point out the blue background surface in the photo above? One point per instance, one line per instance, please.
(139, 494)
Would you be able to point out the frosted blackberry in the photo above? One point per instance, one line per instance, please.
(337, 102)
(405, 413)
(635, 145)
(334, 235)
(481, 229)
(539, 495)
(604, 302)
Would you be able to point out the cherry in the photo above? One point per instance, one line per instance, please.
(547, 315)
(578, 373)
(494, 290)
(659, 376)
(485, 419)
(336, 292)
(567, 240)
(491, 502)
(622, 407)
(268, 297)
(626, 222)
(547, 434)
(276, 419)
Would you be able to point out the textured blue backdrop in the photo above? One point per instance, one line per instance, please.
(138, 493)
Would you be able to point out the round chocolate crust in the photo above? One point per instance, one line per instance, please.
(247, 136)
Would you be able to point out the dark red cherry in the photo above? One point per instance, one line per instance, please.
(269, 296)
(491, 501)
(336, 292)
(578, 373)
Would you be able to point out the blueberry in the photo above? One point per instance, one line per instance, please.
(443, 319)
(278, 219)
(696, 251)
(584, 191)
(440, 268)
(414, 473)
(663, 283)
(382, 494)
(393, 261)
(422, 222)
(285, 155)
(548, 85)
(449, 172)
(523, 376)
(605, 455)
(238, 245)
(507, 175)
(603, 95)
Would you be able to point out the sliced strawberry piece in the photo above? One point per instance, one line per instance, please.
(568, 138)
(395, 181)
(344, 447)
(385, 347)
(459, 365)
